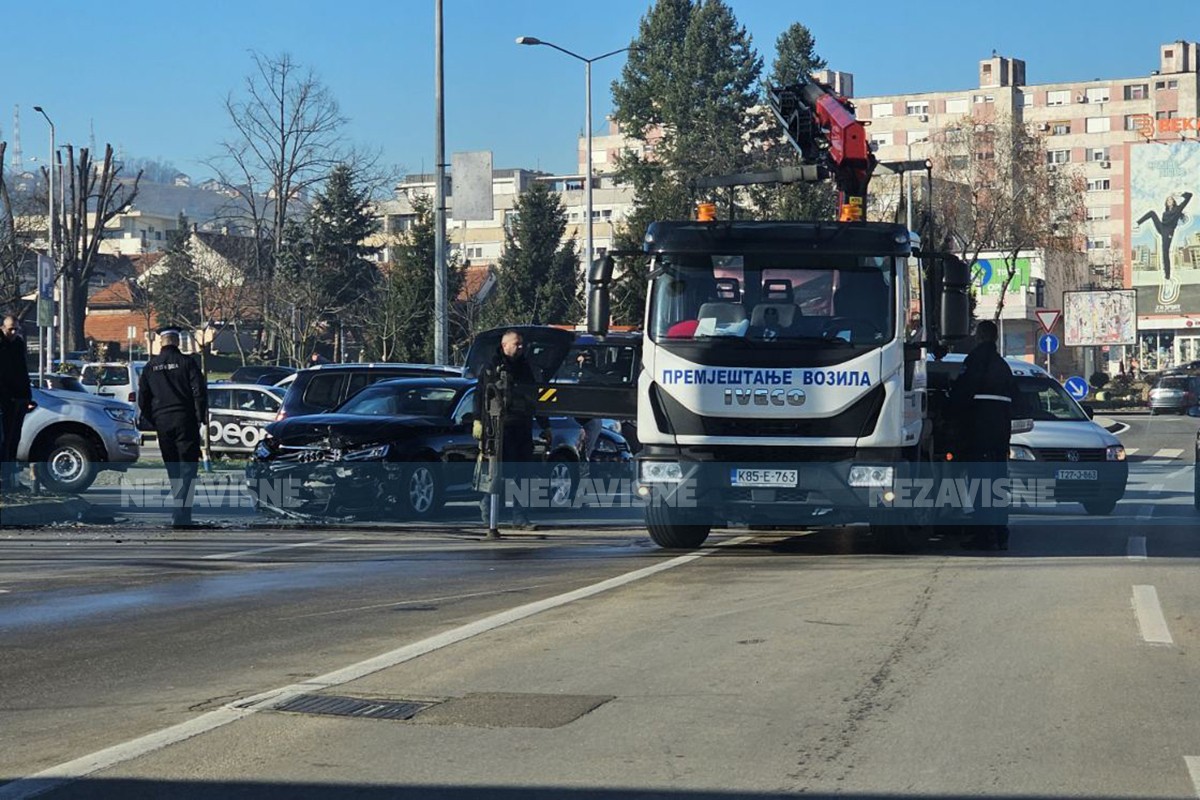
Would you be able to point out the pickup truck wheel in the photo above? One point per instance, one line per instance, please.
(67, 465)
(670, 530)
(1099, 508)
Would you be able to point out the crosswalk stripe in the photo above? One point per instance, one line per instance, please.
(1130, 451)
(1168, 452)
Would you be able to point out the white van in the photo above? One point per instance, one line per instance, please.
(115, 379)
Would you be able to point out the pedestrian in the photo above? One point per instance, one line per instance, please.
(509, 367)
(984, 395)
(173, 398)
(316, 359)
(16, 400)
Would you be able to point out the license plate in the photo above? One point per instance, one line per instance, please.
(781, 478)
(1076, 475)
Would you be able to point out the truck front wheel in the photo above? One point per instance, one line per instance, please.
(669, 529)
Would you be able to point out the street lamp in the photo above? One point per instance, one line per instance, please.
(587, 72)
(46, 342)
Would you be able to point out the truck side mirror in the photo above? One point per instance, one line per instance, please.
(599, 277)
(956, 298)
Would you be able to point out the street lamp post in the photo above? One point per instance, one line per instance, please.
(587, 74)
(46, 338)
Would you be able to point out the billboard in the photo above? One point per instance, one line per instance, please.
(1100, 317)
(1163, 231)
(989, 275)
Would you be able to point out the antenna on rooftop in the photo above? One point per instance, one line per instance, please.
(18, 164)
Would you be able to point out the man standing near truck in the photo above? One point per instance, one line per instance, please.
(983, 396)
(16, 400)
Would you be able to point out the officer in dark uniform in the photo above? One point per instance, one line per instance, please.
(984, 395)
(516, 450)
(173, 398)
(16, 400)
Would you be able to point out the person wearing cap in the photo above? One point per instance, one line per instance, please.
(984, 395)
(173, 398)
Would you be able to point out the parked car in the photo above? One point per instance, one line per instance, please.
(266, 374)
(238, 414)
(72, 436)
(326, 386)
(65, 383)
(115, 379)
(1085, 461)
(1174, 393)
(404, 447)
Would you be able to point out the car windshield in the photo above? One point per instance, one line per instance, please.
(1045, 399)
(603, 364)
(391, 401)
(773, 298)
(1180, 383)
(100, 375)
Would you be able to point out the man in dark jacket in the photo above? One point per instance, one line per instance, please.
(509, 368)
(983, 396)
(173, 398)
(16, 399)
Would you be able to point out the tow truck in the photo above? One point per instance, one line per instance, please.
(783, 363)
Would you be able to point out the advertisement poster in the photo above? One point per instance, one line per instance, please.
(1164, 233)
(1100, 318)
(989, 275)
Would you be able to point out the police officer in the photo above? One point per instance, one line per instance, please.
(16, 400)
(516, 438)
(173, 398)
(984, 395)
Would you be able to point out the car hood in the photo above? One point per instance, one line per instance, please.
(57, 398)
(1081, 434)
(351, 429)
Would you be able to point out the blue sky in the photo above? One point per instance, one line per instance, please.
(151, 77)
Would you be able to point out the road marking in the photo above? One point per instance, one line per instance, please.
(1151, 621)
(62, 774)
(1136, 550)
(1193, 768)
(221, 556)
(1168, 452)
(1179, 472)
(1130, 450)
(1145, 512)
(1119, 428)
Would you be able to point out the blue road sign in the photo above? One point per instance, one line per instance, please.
(1048, 343)
(1077, 387)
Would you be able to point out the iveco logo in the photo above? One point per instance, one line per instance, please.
(764, 397)
(1072, 455)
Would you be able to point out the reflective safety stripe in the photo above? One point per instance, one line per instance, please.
(998, 397)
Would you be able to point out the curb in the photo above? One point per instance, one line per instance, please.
(43, 512)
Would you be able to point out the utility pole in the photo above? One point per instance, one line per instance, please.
(441, 338)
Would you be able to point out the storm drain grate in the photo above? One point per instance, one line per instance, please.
(334, 705)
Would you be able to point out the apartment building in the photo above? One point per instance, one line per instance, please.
(1134, 139)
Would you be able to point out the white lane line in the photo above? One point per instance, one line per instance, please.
(1168, 452)
(1193, 768)
(1146, 511)
(1179, 472)
(1151, 621)
(1136, 550)
(1119, 428)
(257, 550)
(62, 774)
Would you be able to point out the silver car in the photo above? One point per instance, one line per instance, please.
(72, 436)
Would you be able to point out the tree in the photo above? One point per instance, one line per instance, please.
(795, 57)
(153, 170)
(94, 194)
(22, 221)
(537, 275)
(686, 93)
(173, 292)
(399, 323)
(1009, 196)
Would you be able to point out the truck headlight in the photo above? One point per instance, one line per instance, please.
(660, 472)
(126, 415)
(1114, 452)
(867, 477)
(1018, 452)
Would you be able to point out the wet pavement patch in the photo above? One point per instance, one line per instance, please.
(512, 710)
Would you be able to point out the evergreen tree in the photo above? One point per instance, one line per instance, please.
(174, 291)
(538, 274)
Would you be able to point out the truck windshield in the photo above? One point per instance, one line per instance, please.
(786, 299)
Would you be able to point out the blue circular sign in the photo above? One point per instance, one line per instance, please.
(1048, 343)
(1077, 387)
(983, 272)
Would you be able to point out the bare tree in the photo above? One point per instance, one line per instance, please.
(22, 221)
(93, 197)
(1009, 193)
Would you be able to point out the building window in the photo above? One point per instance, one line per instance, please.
(957, 105)
(1096, 213)
(1059, 97)
(983, 98)
(1098, 125)
(915, 137)
(1027, 99)
(916, 108)
(1165, 114)
(1058, 156)
(1131, 122)
(1136, 91)
(1098, 154)
(1160, 85)
(1097, 95)
(880, 110)
(881, 138)
(1099, 185)
(1099, 242)
(1060, 128)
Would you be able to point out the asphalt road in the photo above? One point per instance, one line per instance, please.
(764, 665)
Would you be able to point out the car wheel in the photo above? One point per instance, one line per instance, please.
(67, 465)
(564, 480)
(421, 490)
(1099, 508)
